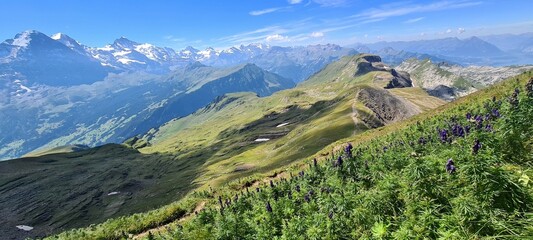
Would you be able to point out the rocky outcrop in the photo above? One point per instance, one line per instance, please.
(449, 81)
(442, 92)
(397, 79)
(386, 107)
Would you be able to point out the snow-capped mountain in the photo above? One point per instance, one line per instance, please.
(39, 59)
(60, 60)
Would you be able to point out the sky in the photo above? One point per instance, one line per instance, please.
(224, 23)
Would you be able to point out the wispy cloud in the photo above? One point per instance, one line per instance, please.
(331, 3)
(289, 29)
(265, 11)
(276, 38)
(174, 39)
(413, 20)
(313, 29)
(294, 1)
(317, 34)
(460, 30)
(387, 11)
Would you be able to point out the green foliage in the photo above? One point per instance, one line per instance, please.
(392, 186)
(397, 186)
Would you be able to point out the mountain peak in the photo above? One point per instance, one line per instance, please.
(66, 40)
(191, 49)
(194, 65)
(58, 36)
(123, 42)
(23, 39)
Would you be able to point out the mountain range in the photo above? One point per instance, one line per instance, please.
(115, 109)
(99, 133)
(57, 91)
(235, 134)
(469, 51)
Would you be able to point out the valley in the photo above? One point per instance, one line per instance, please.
(266, 120)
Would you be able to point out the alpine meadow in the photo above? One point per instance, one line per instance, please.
(283, 119)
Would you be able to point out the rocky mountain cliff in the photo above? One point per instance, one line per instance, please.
(449, 81)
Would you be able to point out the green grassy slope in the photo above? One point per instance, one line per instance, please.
(203, 151)
(320, 111)
(62, 191)
(220, 138)
(399, 183)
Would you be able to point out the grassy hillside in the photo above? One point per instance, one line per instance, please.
(239, 135)
(294, 123)
(397, 182)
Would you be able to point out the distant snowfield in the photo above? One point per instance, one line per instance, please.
(112, 193)
(262, 139)
(24, 227)
(283, 124)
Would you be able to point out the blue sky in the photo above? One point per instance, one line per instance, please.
(218, 23)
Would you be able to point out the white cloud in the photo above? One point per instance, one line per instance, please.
(276, 38)
(294, 1)
(449, 31)
(331, 3)
(317, 34)
(460, 30)
(174, 39)
(264, 11)
(386, 11)
(413, 20)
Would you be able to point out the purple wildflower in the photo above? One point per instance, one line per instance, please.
(330, 215)
(495, 113)
(468, 116)
(338, 163)
(529, 88)
(298, 188)
(307, 198)
(488, 128)
(476, 147)
(514, 98)
(450, 167)
(443, 134)
(422, 141)
(268, 207)
(479, 121)
(348, 150)
(458, 130)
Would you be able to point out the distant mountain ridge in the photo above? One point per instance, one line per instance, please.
(469, 51)
(472, 46)
(44, 60)
(59, 60)
(116, 109)
(449, 81)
